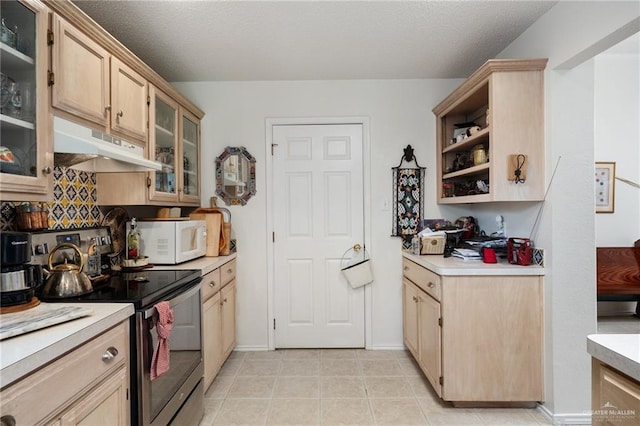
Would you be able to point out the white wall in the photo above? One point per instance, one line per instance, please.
(569, 35)
(617, 138)
(400, 114)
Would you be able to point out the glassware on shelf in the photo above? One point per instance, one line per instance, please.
(7, 35)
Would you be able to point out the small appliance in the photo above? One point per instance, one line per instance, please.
(18, 278)
(519, 251)
(169, 242)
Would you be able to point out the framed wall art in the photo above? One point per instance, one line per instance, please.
(605, 177)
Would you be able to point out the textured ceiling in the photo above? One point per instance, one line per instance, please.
(185, 40)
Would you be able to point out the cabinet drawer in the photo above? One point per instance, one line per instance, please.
(52, 388)
(211, 283)
(423, 278)
(228, 271)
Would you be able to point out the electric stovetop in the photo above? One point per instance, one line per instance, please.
(142, 288)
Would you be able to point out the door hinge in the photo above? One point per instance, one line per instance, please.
(273, 237)
(441, 380)
(127, 394)
(273, 145)
(51, 78)
(49, 38)
(274, 323)
(148, 100)
(440, 322)
(148, 182)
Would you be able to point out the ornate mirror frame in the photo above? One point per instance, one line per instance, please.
(235, 175)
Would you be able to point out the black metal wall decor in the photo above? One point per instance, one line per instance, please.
(408, 197)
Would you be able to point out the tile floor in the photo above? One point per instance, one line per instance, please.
(337, 387)
(619, 324)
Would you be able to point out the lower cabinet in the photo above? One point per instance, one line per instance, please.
(615, 397)
(219, 318)
(89, 385)
(476, 338)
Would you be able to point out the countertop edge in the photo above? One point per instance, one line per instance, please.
(76, 333)
(620, 351)
(451, 266)
(205, 264)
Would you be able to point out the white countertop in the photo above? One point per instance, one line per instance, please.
(205, 264)
(23, 354)
(457, 267)
(620, 351)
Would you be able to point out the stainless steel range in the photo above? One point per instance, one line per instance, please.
(177, 396)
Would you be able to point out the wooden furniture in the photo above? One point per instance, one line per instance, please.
(218, 318)
(174, 141)
(615, 396)
(89, 83)
(88, 385)
(618, 274)
(512, 93)
(476, 338)
(25, 124)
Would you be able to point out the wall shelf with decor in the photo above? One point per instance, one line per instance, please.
(490, 135)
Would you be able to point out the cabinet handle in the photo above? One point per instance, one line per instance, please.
(223, 301)
(107, 108)
(431, 285)
(7, 420)
(46, 170)
(229, 271)
(406, 268)
(110, 354)
(415, 299)
(120, 113)
(212, 284)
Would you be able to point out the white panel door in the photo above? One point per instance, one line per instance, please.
(318, 202)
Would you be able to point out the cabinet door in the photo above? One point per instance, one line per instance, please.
(27, 160)
(212, 337)
(228, 303)
(410, 317)
(615, 397)
(189, 179)
(105, 405)
(430, 339)
(163, 145)
(129, 108)
(81, 72)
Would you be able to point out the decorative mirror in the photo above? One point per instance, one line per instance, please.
(235, 175)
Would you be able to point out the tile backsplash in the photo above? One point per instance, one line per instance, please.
(73, 203)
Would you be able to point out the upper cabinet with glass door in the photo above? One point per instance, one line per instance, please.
(189, 184)
(163, 144)
(26, 160)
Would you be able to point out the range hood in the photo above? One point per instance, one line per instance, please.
(85, 149)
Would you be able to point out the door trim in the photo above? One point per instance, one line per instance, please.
(366, 170)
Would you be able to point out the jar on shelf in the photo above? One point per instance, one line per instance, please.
(479, 155)
(448, 189)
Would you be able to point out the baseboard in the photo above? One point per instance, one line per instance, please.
(251, 348)
(243, 348)
(565, 419)
(387, 348)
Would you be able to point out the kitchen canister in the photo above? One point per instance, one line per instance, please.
(479, 155)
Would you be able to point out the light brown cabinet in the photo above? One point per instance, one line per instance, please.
(615, 396)
(219, 318)
(174, 141)
(27, 159)
(91, 84)
(479, 338)
(89, 385)
(505, 99)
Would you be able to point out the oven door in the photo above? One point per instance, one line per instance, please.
(159, 400)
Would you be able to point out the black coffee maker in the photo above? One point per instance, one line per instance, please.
(19, 279)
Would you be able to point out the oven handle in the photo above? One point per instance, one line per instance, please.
(173, 301)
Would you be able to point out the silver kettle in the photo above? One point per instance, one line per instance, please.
(67, 279)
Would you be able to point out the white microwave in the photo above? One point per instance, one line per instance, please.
(168, 242)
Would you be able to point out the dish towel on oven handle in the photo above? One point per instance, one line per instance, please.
(164, 324)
